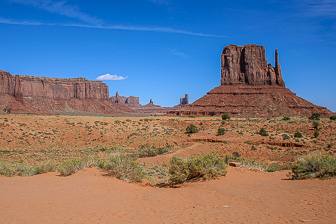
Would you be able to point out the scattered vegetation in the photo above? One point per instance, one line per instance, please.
(221, 131)
(333, 118)
(124, 168)
(298, 134)
(315, 165)
(315, 116)
(316, 125)
(316, 133)
(225, 116)
(286, 118)
(263, 132)
(192, 129)
(204, 167)
(7, 110)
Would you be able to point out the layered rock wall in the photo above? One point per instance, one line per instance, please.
(52, 88)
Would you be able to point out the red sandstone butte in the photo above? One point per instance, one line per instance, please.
(250, 87)
(42, 95)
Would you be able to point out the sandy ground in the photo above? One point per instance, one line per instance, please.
(241, 197)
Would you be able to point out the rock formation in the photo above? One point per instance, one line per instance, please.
(42, 95)
(248, 65)
(184, 100)
(250, 87)
(129, 101)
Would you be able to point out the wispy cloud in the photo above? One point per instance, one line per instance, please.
(178, 53)
(110, 77)
(87, 21)
(160, 2)
(107, 27)
(61, 8)
(318, 8)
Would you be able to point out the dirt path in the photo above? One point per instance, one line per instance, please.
(240, 197)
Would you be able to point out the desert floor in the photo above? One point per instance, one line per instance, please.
(244, 195)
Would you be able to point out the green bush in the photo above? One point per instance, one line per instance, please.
(314, 165)
(24, 170)
(191, 116)
(7, 110)
(316, 133)
(333, 118)
(225, 116)
(298, 134)
(286, 118)
(263, 132)
(285, 137)
(220, 131)
(205, 167)
(46, 167)
(316, 125)
(315, 116)
(192, 129)
(124, 168)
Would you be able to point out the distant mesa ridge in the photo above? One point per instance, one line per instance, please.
(43, 95)
(250, 87)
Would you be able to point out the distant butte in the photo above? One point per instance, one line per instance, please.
(250, 87)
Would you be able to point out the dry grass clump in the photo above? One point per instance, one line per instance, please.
(123, 167)
(205, 167)
(24, 170)
(315, 165)
(72, 166)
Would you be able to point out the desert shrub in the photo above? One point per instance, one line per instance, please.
(7, 110)
(285, 137)
(225, 116)
(89, 161)
(46, 167)
(124, 168)
(151, 152)
(191, 116)
(286, 118)
(6, 169)
(273, 167)
(192, 129)
(236, 154)
(316, 133)
(220, 131)
(314, 165)
(263, 132)
(253, 147)
(316, 125)
(298, 134)
(204, 166)
(315, 116)
(333, 118)
(70, 166)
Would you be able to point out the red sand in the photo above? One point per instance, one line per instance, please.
(240, 197)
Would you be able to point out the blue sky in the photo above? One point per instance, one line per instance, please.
(162, 49)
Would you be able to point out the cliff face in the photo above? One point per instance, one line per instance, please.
(248, 65)
(52, 88)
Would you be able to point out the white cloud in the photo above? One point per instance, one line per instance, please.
(318, 8)
(61, 8)
(178, 53)
(108, 27)
(160, 2)
(110, 77)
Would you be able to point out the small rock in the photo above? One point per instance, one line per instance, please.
(226, 206)
(235, 164)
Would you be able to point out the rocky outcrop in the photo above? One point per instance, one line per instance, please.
(129, 101)
(184, 100)
(42, 95)
(248, 65)
(250, 87)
